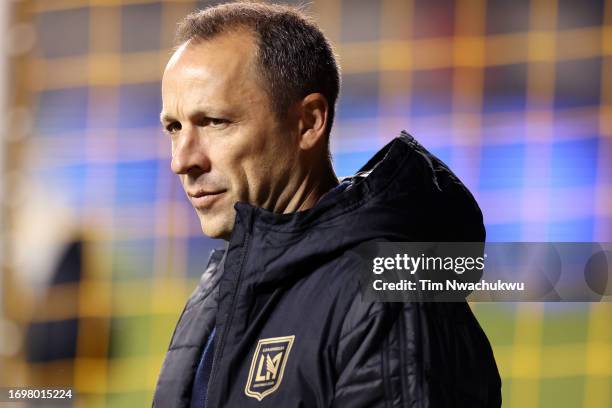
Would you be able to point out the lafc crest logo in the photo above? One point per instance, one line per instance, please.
(268, 365)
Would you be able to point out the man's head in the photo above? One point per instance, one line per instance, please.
(248, 101)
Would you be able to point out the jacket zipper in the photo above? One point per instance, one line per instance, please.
(229, 319)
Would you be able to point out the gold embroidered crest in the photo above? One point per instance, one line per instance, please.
(267, 366)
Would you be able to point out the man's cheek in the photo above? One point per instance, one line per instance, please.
(183, 180)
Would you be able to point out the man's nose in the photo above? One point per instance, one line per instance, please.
(189, 153)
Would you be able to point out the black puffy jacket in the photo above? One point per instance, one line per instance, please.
(293, 329)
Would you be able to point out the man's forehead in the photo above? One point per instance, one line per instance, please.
(212, 73)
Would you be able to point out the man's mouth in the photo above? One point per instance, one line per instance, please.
(202, 199)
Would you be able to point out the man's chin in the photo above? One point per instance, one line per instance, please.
(215, 230)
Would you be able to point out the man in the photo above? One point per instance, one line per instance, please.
(278, 318)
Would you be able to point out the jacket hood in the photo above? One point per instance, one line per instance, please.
(403, 193)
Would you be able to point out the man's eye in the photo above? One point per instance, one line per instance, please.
(173, 127)
(216, 122)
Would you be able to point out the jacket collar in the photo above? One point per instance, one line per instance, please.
(395, 196)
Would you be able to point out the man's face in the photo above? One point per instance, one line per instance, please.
(227, 144)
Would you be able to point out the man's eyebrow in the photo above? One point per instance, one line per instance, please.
(195, 115)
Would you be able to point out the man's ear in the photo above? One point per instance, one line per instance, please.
(312, 120)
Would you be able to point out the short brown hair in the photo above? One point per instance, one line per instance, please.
(293, 55)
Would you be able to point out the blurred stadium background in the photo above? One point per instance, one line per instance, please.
(100, 249)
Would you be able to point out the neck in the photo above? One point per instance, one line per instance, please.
(317, 181)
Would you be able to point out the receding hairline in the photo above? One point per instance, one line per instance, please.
(254, 62)
(230, 29)
(195, 41)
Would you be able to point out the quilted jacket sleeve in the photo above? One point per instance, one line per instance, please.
(414, 355)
